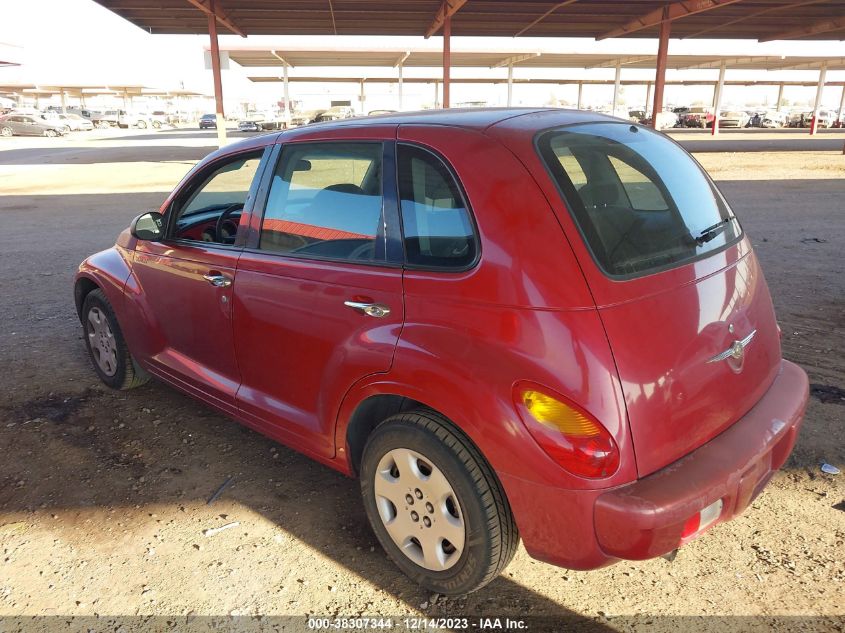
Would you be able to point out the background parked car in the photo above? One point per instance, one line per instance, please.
(333, 114)
(698, 116)
(774, 119)
(208, 121)
(27, 125)
(250, 126)
(73, 122)
(732, 118)
(141, 120)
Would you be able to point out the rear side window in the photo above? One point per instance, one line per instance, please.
(326, 201)
(436, 223)
(641, 202)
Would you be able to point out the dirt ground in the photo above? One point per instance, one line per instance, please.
(103, 494)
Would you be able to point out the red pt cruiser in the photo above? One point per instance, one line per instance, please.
(512, 323)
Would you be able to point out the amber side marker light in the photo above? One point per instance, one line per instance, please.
(570, 436)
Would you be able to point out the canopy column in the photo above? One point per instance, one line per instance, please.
(841, 106)
(510, 85)
(447, 58)
(660, 72)
(647, 97)
(717, 98)
(580, 94)
(780, 97)
(814, 123)
(400, 86)
(616, 83)
(215, 71)
(288, 109)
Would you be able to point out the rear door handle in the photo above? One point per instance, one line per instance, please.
(217, 279)
(377, 310)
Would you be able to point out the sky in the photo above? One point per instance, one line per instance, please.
(82, 42)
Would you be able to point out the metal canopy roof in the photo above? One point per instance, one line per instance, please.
(556, 81)
(744, 19)
(303, 57)
(76, 90)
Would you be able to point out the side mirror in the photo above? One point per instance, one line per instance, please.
(148, 227)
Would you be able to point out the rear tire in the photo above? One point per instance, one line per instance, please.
(6, 131)
(106, 345)
(142, 125)
(435, 504)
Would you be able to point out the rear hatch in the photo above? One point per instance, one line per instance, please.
(681, 295)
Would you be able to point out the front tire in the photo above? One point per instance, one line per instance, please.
(435, 504)
(142, 125)
(106, 345)
(50, 133)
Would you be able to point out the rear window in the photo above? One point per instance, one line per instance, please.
(641, 202)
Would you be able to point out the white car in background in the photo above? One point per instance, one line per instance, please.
(774, 119)
(733, 118)
(74, 122)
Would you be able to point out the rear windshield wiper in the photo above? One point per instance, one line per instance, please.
(712, 231)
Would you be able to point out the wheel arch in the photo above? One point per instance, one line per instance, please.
(82, 288)
(369, 405)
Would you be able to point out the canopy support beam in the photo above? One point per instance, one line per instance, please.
(660, 71)
(616, 83)
(447, 57)
(717, 98)
(218, 81)
(814, 123)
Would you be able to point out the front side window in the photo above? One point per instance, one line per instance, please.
(436, 223)
(326, 201)
(641, 202)
(210, 211)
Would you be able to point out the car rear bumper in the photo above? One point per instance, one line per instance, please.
(585, 529)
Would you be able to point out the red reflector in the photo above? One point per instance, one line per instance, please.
(691, 526)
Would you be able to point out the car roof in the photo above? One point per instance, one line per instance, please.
(478, 119)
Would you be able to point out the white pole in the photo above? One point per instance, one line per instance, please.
(400, 87)
(510, 84)
(362, 97)
(819, 90)
(580, 93)
(616, 83)
(287, 97)
(647, 98)
(780, 96)
(717, 98)
(841, 105)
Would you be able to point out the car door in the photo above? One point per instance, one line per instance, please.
(318, 292)
(184, 283)
(27, 126)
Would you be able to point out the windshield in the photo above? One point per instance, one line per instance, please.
(641, 202)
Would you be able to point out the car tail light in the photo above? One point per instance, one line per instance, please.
(702, 520)
(568, 434)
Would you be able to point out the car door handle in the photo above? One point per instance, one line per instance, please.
(218, 280)
(377, 310)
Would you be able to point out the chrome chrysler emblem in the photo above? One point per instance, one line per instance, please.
(735, 351)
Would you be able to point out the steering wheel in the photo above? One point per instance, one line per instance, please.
(225, 216)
